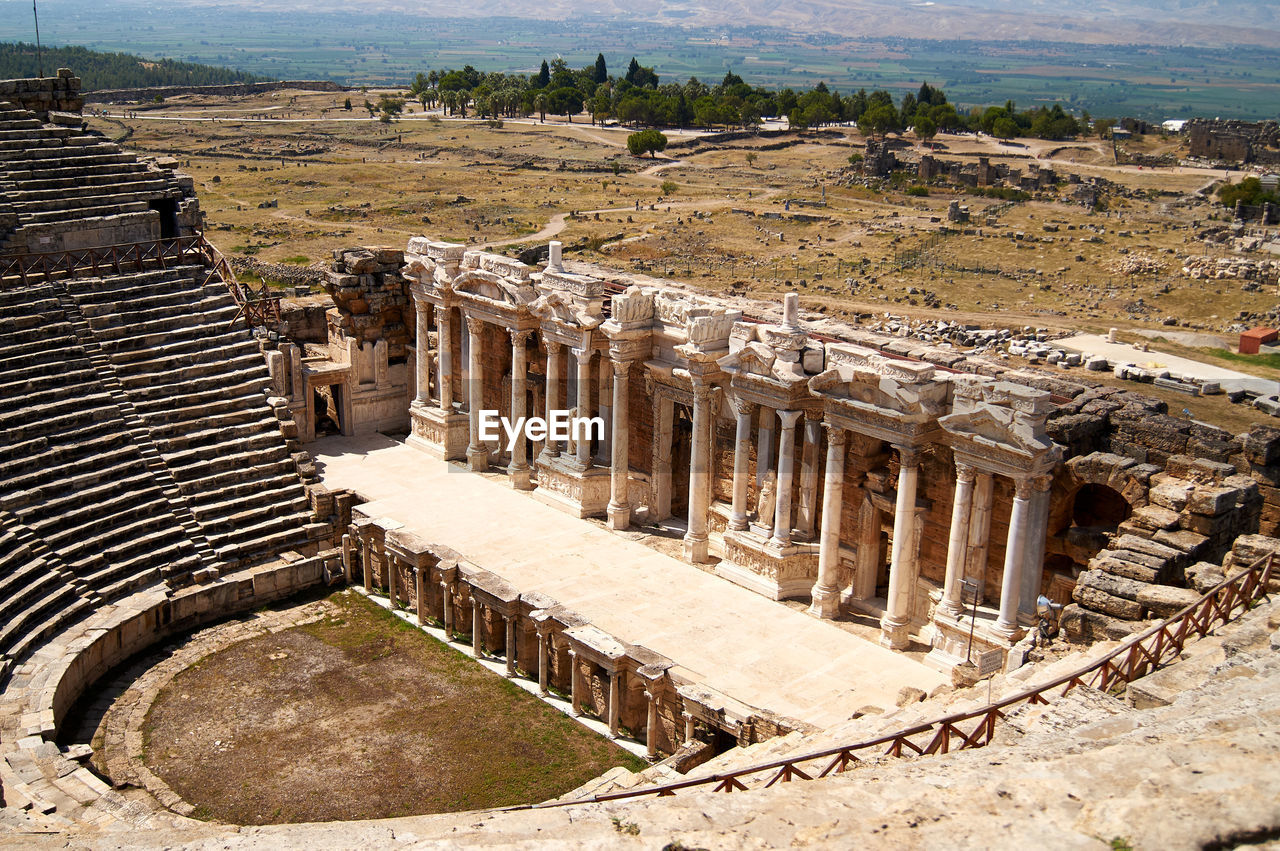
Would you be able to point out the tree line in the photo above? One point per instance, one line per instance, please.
(638, 98)
(98, 70)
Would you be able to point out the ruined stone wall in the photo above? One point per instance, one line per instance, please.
(371, 298)
(43, 95)
(1234, 141)
(232, 90)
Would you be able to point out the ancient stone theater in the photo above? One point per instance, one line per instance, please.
(787, 550)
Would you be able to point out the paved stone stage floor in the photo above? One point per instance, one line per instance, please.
(753, 649)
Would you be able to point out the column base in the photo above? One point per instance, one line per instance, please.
(894, 634)
(826, 602)
(948, 609)
(1007, 632)
(521, 478)
(438, 433)
(696, 550)
(477, 459)
(565, 485)
(756, 563)
(619, 517)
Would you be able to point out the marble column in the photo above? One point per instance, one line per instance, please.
(764, 452)
(543, 673)
(958, 542)
(1014, 552)
(606, 404)
(664, 412)
(477, 452)
(786, 472)
(1033, 562)
(573, 684)
(420, 595)
(895, 623)
(422, 352)
(550, 449)
(695, 539)
(619, 509)
(477, 643)
(688, 726)
(826, 591)
(446, 610)
(367, 560)
(615, 703)
(867, 573)
(806, 516)
(347, 557)
(583, 406)
(518, 469)
(979, 533)
(651, 726)
(741, 462)
(511, 644)
(444, 328)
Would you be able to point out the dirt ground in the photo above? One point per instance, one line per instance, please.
(360, 716)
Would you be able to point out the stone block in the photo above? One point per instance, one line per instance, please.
(1203, 576)
(1172, 494)
(1085, 625)
(1249, 548)
(1153, 518)
(1190, 543)
(1164, 600)
(1109, 583)
(1127, 569)
(1213, 501)
(1162, 552)
(1262, 445)
(1107, 604)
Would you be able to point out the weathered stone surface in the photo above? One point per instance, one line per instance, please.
(1212, 501)
(1128, 569)
(1262, 445)
(1184, 541)
(1153, 518)
(1172, 494)
(1165, 600)
(1109, 583)
(1083, 624)
(1108, 604)
(1203, 576)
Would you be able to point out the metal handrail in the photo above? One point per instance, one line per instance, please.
(1141, 654)
(256, 308)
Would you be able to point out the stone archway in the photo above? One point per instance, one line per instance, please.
(1092, 495)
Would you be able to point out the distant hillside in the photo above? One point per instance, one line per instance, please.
(114, 70)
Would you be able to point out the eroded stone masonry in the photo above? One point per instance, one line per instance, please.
(938, 492)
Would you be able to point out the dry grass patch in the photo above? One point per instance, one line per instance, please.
(360, 716)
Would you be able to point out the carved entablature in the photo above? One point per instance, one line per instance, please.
(563, 317)
(494, 291)
(1000, 426)
(632, 309)
(891, 400)
(503, 267)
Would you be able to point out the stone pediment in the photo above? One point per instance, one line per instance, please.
(487, 285)
(557, 307)
(884, 390)
(999, 428)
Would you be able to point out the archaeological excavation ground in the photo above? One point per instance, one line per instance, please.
(269, 578)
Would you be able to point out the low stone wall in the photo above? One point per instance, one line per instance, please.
(625, 685)
(43, 95)
(231, 90)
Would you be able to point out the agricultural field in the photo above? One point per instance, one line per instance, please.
(351, 47)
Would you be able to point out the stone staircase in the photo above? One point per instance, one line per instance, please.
(54, 174)
(191, 387)
(83, 520)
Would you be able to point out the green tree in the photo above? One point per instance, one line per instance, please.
(420, 89)
(601, 74)
(646, 142)
(565, 101)
(346, 104)
(878, 120)
(544, 76)
(925, 128)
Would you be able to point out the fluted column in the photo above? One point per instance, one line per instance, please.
(807, 514)
(1014, 552)
(826, 591)
(979, 533)
(477, 452)
(583, 405)
(422, 352)
(444, 328)
(518, 469)
(958, 542)
(619, 510)
(695, 539)
(895, 623)
(549, 448)
(741, 462)
(786, 474)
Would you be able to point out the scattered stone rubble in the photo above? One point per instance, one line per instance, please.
(1232, 268)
